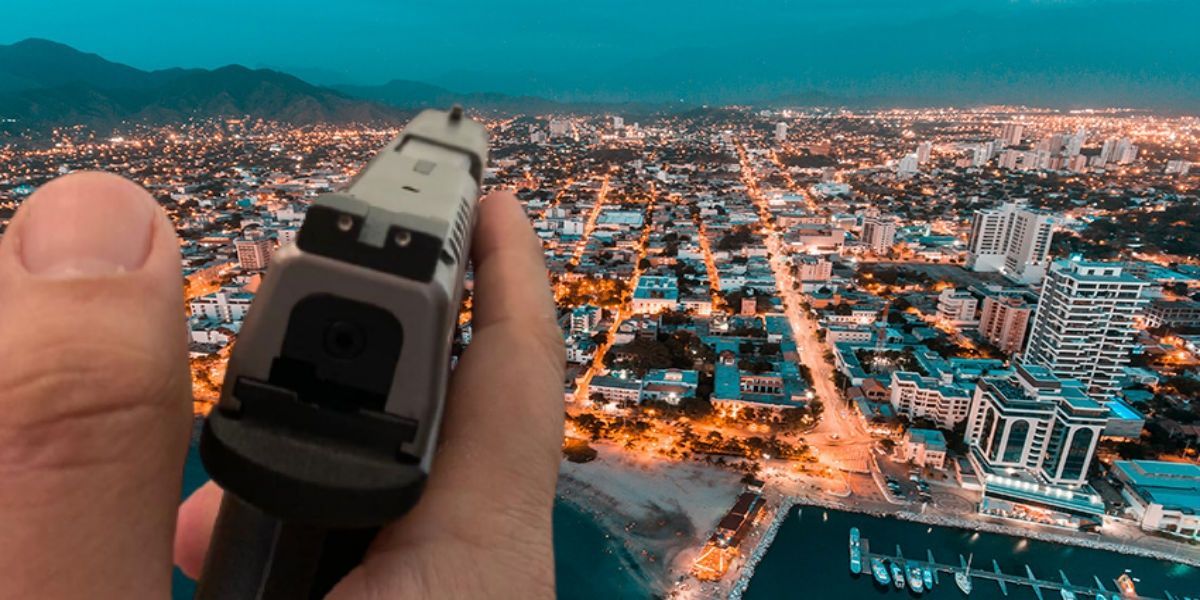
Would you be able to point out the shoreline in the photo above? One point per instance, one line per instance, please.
(634, 502)
(658, 512)
(581, 496)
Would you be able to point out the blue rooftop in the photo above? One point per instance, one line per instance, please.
(657, 287)
(1174, 485)
(932, 438)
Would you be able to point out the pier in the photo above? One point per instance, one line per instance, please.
(1002, 580)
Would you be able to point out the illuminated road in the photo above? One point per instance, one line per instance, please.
(624, 312)
(839, 438)
(581, 245)
(714, 276)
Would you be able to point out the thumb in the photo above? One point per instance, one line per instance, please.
(94, 392)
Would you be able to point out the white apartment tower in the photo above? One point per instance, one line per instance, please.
(781, 132)
(1075, 142)
(938, 399)
(879, 234)
(1083, 327)
(1011, 239)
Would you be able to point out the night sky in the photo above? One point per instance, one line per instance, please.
(1066, 51)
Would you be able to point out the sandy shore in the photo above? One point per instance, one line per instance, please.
(662, 510)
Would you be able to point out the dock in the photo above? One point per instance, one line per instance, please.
(1002, 580)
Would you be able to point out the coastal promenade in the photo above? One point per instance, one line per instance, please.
(662, 511)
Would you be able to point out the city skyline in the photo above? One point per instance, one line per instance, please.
(905, 321)
(1065, 53)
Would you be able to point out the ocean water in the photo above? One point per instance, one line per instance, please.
(810, 559)
(589, 564)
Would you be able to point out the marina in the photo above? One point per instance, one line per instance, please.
(920, 575)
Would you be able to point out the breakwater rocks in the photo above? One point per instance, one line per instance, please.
(747, 572)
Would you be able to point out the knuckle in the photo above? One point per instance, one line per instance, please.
(80, 403)
(116, 372)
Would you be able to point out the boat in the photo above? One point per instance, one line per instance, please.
(963, 578)
(855, 552)
(927, 575)
(1125, 585)
(1067, 594)
(880, 572)
(897, 576)
(916, 580)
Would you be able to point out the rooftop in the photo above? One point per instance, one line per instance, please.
(932, 438)
(1174, 485)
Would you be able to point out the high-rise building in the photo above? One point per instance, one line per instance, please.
(1075, 142)
(1052, 143)
(1012, 239)
(1121, 151)
(1010, 133)
(879, 234)
(1078, 163)
(1178, 167)
(958, 306)
(1126, 152)
(908, 165)
(618, 123)
(939, 399)
(1026, 258)
(1083, 328)
(1034, 422)
(781, 132)
(1008, 159)
(980, 154)
(1004, 319)
(924, 150)
(1107, 150)
(254, 251)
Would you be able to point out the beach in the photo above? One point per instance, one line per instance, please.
(661, 511)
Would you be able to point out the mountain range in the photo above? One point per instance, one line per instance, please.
(45, 83)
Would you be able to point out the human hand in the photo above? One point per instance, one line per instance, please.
(95, 414)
